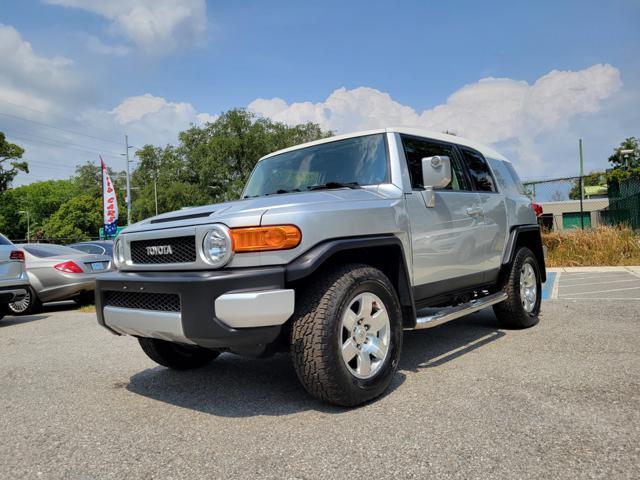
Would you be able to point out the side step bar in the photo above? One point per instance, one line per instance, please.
(451, 313)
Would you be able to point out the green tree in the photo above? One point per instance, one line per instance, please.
(211, 163)
(77, 219)
(591, 180)
(40, 199)
(10, 153)
(630, 160)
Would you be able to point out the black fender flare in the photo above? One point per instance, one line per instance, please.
(534, 242)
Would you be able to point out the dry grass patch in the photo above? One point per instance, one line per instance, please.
(87, 309)
(593, 247)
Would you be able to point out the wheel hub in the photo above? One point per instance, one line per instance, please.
(365, 335)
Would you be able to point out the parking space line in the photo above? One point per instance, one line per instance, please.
(604, 291)
(549, 285)
(564, 285)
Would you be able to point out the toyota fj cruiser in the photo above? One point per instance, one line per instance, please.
(334, 249)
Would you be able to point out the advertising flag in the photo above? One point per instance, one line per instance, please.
(109, 203)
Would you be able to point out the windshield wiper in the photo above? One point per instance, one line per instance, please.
(273, 193)
(330, 185)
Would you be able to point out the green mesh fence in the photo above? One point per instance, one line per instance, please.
(624, 203)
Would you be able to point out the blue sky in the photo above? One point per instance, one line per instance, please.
(149, 68)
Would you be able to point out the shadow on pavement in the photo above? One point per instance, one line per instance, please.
(46, 309)
(234, 386)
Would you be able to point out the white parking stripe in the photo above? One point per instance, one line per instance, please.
(604, 291)
(564, 285)
(556, 283)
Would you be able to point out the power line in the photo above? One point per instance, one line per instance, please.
(59, 128)
(29, 136)
(54, 115)
(63, 147)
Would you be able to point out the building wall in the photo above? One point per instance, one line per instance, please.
(593, 206)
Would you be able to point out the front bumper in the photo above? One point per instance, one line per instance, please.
(12, 293)
(217, 309)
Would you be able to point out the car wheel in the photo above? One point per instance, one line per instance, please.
(29, 304)
(175, 355)
(346, 335)
(522, 284)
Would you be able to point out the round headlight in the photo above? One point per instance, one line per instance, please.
(217, 247)
(118, 252)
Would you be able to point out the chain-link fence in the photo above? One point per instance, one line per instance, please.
(561, 203)
(624, 203)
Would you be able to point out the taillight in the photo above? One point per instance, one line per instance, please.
(537, 208)
(17, 255)
(68, 267)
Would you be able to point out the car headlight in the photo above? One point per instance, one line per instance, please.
(118, 252)
(217, 246)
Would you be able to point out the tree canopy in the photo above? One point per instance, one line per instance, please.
(10, 164)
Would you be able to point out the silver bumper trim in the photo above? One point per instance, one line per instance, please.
(255, 309)
(146, 323)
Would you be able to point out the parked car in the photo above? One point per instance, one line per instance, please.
(99, 247)
(13, 278)
(57, 272)
(335, 249)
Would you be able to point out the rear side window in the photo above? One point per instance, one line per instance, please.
(415, 149)
(506, 177)
(4, 240)
(478, 171)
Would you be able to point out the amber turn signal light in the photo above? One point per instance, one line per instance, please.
(261, 239)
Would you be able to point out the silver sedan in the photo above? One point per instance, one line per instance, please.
(58, 273)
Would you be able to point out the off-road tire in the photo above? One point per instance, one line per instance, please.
(35, 304)
(177, 356)
(510, 313)
(316, 334)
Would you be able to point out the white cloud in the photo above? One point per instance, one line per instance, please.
(492, 110)
(95, 45)
(29, 79)
(155, 26)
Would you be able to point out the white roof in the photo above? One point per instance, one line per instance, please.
(483, 149)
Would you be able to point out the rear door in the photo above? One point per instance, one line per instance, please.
(492, 240)
(443, 237)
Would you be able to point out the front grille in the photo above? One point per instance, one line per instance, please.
(162, 302)
(183, 250)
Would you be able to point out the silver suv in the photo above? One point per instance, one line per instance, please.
(13, 278)
(335, 248)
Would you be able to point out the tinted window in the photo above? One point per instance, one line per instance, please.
(45, 250)
(478, 171)
(415, 149)
(89, 248)
(4, 240)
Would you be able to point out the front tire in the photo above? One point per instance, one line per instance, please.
(346, 335)
(522, 284)
(28, 305)
(177, 356)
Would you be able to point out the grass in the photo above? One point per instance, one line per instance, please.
(87, 309)
(593, 247)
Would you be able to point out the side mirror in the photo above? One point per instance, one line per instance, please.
(436, 173)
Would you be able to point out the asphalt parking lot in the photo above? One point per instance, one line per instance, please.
(470, 401)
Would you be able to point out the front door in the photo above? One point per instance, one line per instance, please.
(445, 237)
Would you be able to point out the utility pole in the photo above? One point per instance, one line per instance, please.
(581, 184)
(126, 142)
(155, 190)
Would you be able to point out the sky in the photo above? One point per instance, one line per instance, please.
(528, 78)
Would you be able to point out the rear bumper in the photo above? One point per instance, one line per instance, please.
(13, 293)
(218, 309)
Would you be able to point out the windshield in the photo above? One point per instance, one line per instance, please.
(354, 161)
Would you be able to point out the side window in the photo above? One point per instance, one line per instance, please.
(415, 149)
(478, 171)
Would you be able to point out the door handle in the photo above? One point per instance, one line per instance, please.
(474, 211)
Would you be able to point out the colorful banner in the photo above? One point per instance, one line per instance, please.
(109, 203)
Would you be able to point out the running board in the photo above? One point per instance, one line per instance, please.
(451, 313)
